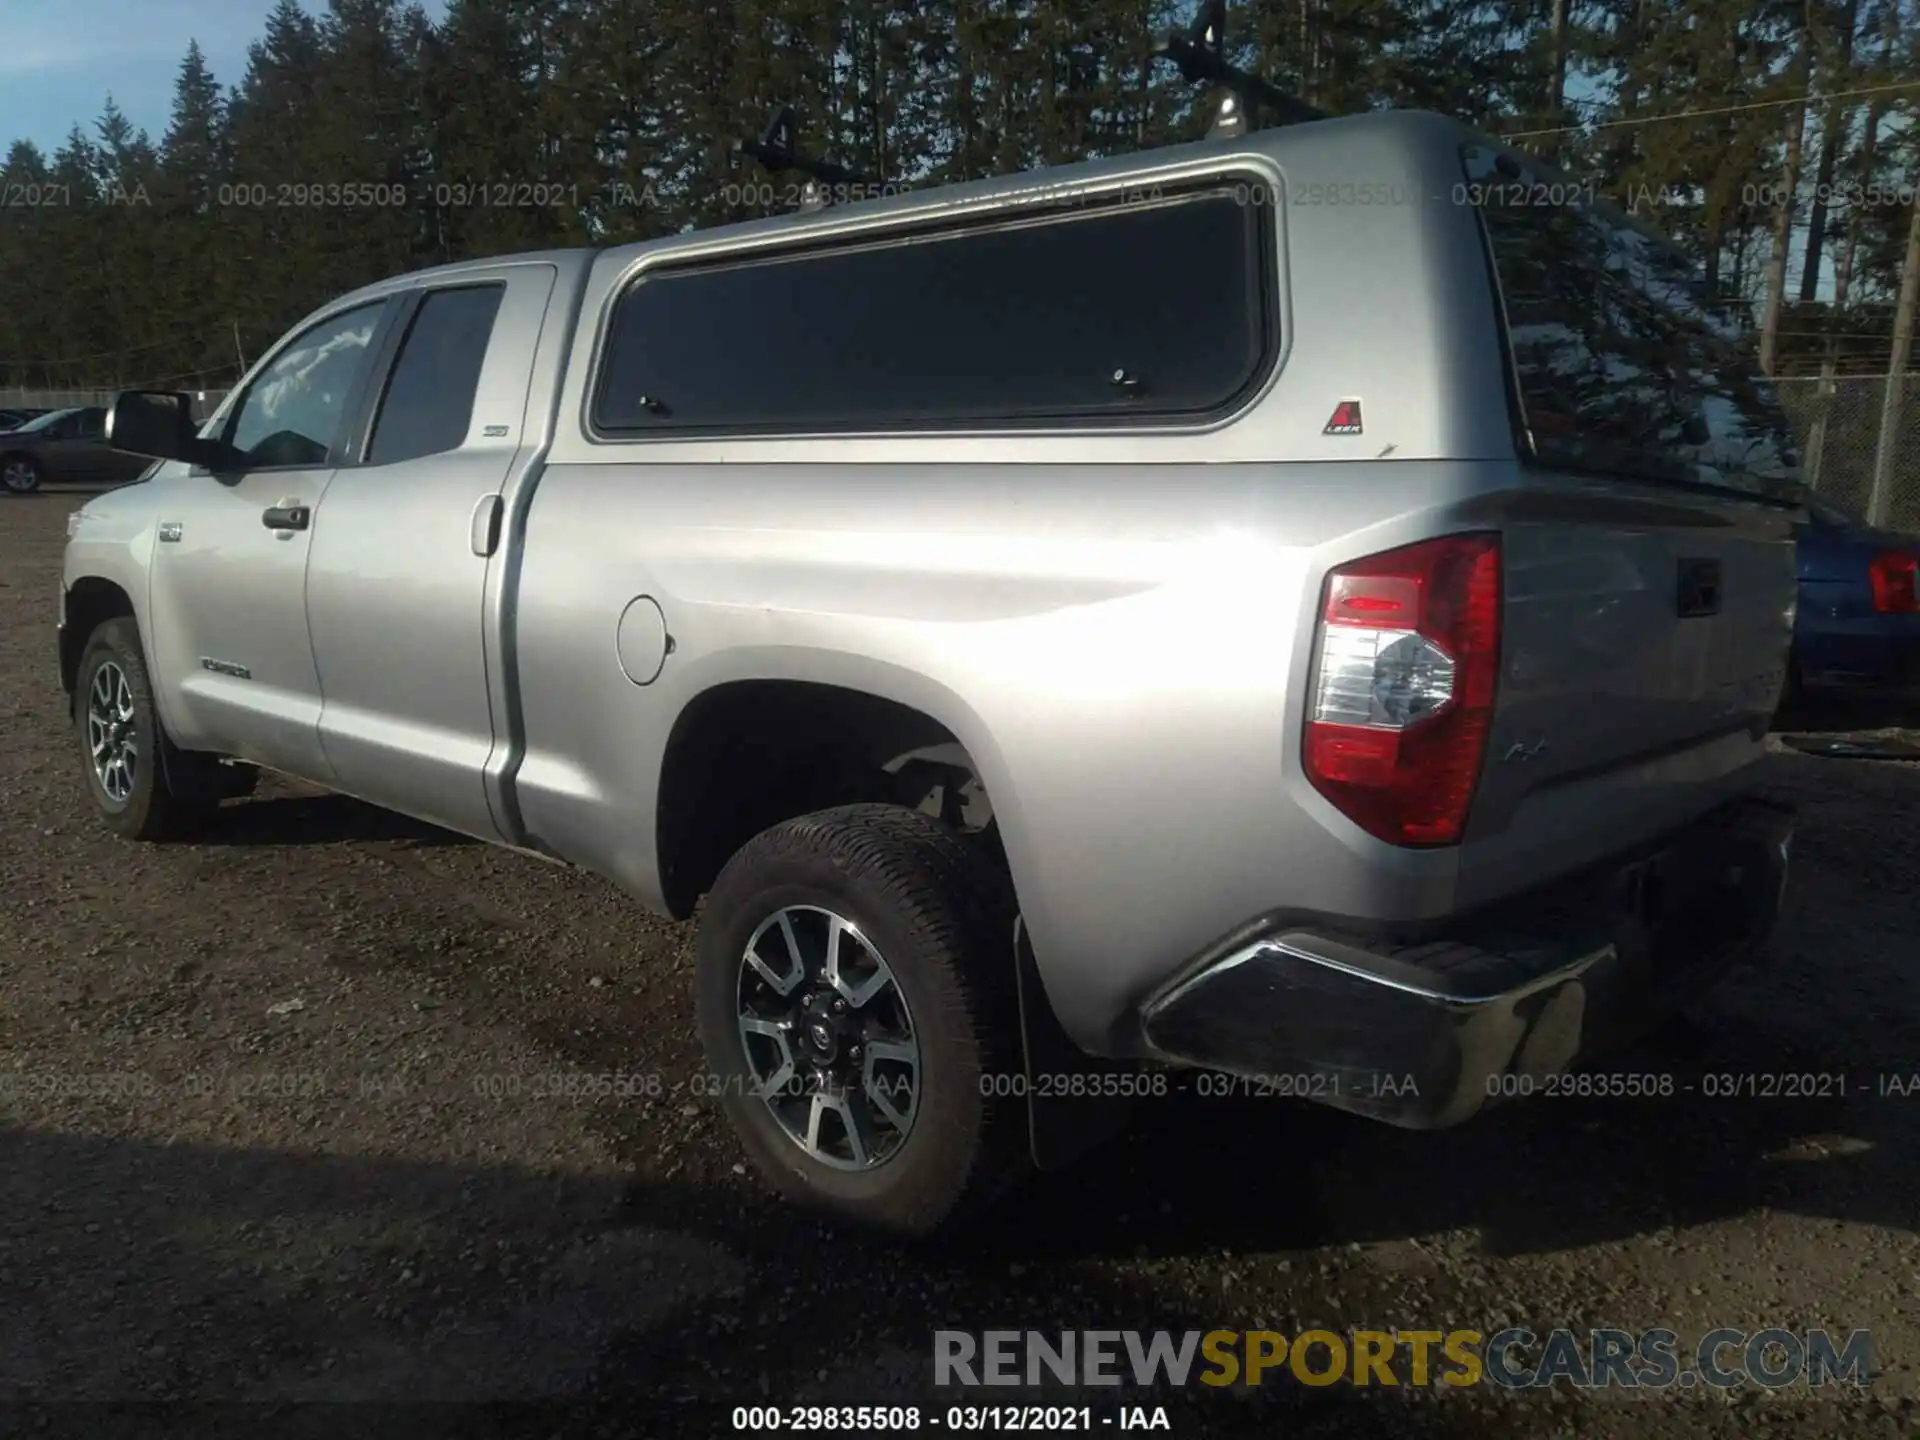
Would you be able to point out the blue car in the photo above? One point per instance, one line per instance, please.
(1858, 625)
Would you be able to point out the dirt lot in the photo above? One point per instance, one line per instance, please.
(271, 1136)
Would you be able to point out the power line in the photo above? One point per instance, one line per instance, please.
(184, 335)
(1807, 97)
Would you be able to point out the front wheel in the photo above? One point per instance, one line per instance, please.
(121, 742)
(857, 1007)
(20, 474)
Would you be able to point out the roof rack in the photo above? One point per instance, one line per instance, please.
(1200, 54)
(774, 149)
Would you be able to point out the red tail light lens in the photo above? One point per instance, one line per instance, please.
(1409, 654)
(1896, 590)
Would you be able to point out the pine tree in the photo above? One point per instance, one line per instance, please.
(275, 111)
(29, 311)
(193, 226)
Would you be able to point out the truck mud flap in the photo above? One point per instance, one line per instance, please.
(1061, 1126)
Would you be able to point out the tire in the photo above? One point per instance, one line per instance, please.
(939, 917)
(20, 474)
(163, 792)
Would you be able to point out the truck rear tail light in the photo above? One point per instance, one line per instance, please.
(1896, 589)
(1409, 653)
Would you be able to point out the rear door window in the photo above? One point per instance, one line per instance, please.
(1140, 311)
(1621, 362)
(429, 401)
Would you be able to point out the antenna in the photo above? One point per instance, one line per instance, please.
(1200, 54)
(774, 149)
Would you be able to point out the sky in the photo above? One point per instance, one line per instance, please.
(60, 59)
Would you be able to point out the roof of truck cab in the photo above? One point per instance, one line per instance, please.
(407, 280)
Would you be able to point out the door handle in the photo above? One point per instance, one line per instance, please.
(285, 517)
(484, 529)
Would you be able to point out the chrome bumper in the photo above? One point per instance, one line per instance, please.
(1423, 1036)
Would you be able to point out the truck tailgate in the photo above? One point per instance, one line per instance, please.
(1636, 631)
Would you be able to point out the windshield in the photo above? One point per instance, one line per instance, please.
(52, 417)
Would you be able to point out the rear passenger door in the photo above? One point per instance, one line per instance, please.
(397, 580)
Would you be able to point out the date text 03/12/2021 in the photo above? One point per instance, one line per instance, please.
(1207, 1084)
(905, 1419)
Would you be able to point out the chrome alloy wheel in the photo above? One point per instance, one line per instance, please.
(110, 732)
(829, 1042)
(19, 476)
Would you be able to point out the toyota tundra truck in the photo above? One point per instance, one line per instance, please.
(1303, 604)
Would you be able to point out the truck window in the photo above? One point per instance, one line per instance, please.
(1620, 362)
(291, 414)
(1154, 310)
(429, 401)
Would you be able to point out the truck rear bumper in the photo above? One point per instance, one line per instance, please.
(1423, 1036)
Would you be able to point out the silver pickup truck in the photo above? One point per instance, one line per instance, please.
(1305, 605)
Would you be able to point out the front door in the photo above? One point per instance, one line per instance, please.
(227, 605)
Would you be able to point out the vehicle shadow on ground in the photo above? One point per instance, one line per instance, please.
(293, 1294)
(1261, 1176)
(320, 818)
(1795, 1087)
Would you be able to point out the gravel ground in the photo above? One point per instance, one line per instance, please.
(272, 1140)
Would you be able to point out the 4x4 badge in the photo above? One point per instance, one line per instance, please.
(1346, 419)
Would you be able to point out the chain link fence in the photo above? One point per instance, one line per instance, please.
(1838, 422)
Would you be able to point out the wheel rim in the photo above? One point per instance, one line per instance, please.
(18, 475)
(828, 1038)
(111, 734)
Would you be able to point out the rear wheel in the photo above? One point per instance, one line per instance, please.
(857, 1007)
(142, 785)
(20, 474)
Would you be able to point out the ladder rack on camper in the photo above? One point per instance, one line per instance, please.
(1200, 54)
(774, 149)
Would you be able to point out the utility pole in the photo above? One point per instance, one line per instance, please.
(1862, 170)
(1801, 71)
(1882, 494)
(1557, 85)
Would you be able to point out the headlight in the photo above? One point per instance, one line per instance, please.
(74, 522)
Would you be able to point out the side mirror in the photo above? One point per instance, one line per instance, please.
(160, 423)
